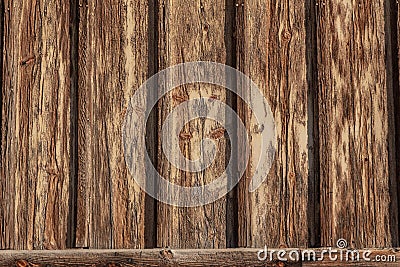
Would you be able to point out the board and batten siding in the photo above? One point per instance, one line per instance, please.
(328, 69)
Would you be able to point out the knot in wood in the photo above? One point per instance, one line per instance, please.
(166, 254)
(259, 128)
(286, 35)
(22, 263)
(27, 60)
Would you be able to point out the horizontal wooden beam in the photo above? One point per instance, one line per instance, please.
(191, 257)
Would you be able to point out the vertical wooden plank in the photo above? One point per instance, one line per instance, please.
(35, 125)
(113, 62)
(192, 31)
(355, 138)
(394, 8)
(272, 52)
(2, 212)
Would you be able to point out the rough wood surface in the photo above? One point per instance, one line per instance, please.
(203, 257)
(192, 31)
(143, 258)
(355, 140)
(329, 69)
(35, 125)
(112, 64)
(272, 52)
(394, 11)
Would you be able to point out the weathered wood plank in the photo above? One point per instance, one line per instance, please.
(272, 52)
(112, 63)
(152, 257)
(394, 11)
(201, 257)
(192, 31)
(356, 172)
(35, 139)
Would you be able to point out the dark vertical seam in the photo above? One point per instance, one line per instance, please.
(313, 202)
(150, 228)
(393, 102)
(73, 183)
(244, 237)
(230, 38)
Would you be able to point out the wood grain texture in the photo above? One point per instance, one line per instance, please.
(192, 31)
(272, 52)
(195, 257)
(35, 138)
(328, 68)
(112, 64)
(394, 11)
(143, 258)
(356, 173)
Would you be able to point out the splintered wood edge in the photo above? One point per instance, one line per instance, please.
(171, 257)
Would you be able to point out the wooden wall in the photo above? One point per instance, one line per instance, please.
(328, 68)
